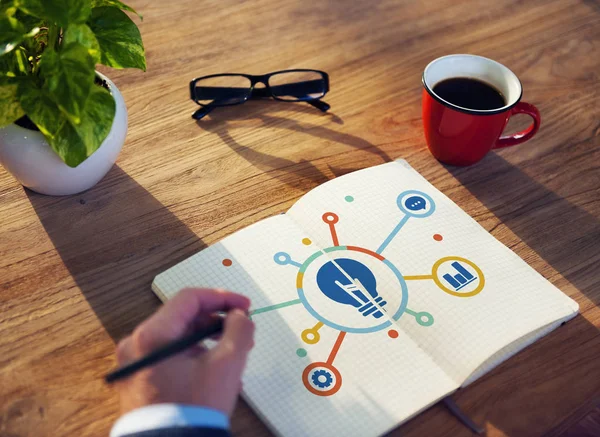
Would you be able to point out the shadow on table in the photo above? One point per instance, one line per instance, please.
(539, 217)
(593, 4)
(113, 239)
(302, 174)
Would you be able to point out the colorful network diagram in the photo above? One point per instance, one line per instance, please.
(349, 275)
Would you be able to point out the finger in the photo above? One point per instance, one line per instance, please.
(191, 304)
(196, 351)
(238, 335)
(203, 321)
(215, 337)
(125, 353)
(177, 317)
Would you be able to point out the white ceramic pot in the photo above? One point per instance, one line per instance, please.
(28, 157)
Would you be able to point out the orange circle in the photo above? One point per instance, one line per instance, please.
(393, 333)
(227, 262)
(437, 237)
(310, 388)
(330, 218)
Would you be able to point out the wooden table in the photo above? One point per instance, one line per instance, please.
(75, 272)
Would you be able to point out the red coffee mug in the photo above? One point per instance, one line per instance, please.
(462, 136)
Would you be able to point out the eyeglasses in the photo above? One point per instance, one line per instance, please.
(233, 89)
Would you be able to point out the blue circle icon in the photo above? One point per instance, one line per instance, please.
(334, 285)
(415, 203)
(327, 276)
(322, 378)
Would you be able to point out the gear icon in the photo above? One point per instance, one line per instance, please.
(322, 378)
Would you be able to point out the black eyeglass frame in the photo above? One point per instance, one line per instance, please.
(259, 93)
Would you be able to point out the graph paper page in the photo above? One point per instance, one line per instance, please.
(305, 377)
(464, 296)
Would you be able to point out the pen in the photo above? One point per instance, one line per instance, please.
(165, 352)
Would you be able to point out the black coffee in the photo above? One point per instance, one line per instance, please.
(470, 93)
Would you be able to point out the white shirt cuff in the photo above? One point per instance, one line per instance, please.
(161, 416)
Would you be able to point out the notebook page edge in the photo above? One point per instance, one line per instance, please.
(514, 348)
(419, 411)
(157, 291)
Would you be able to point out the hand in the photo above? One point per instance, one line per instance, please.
(198, 376)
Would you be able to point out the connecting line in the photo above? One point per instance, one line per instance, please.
(394, 232)
(417, 277)
(334, 237)
(336, 347)
(274, 307)
(411, 312)
(331, 218)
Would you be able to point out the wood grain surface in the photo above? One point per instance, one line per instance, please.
(75, 272)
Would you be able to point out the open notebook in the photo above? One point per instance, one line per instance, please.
(374, 297)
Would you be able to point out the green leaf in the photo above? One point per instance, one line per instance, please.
(14, 64)
(10, 108)
(7, 8)
(69, 77)
(119, 38)
(75, 143)
(41, 109)
(29, 21)
(61, 12)
(115, 4)
(13, 33)
(82, 34)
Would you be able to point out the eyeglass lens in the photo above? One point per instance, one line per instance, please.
(232, 89)
(297, 85)
(222, 90)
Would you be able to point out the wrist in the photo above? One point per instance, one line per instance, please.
(160, 416)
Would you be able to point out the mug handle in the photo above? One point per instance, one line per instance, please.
(524, 135)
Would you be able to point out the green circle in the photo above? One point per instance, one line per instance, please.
(424, 318)
(349, 199)
(301, 352)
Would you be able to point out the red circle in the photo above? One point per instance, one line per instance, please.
(227, 262)
(393, 333)
(332, 390)
(437, 237)
(330, 218)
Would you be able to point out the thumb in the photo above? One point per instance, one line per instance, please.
(238, 335)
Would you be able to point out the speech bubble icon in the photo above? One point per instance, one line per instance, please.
(415, 203)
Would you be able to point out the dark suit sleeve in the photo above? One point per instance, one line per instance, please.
(182, 432)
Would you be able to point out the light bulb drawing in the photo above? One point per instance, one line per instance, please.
(336, 286)
(348, 275)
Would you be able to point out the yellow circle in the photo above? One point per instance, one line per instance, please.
(310, 336)
(437, 281)
(306, 241)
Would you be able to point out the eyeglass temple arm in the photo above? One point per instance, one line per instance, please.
(319, 104)
(202, 112)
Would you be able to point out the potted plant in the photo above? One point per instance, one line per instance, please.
(62, 123)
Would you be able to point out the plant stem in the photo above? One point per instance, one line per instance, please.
(53, 34)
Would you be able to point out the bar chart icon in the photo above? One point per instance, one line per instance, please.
(461, 279)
